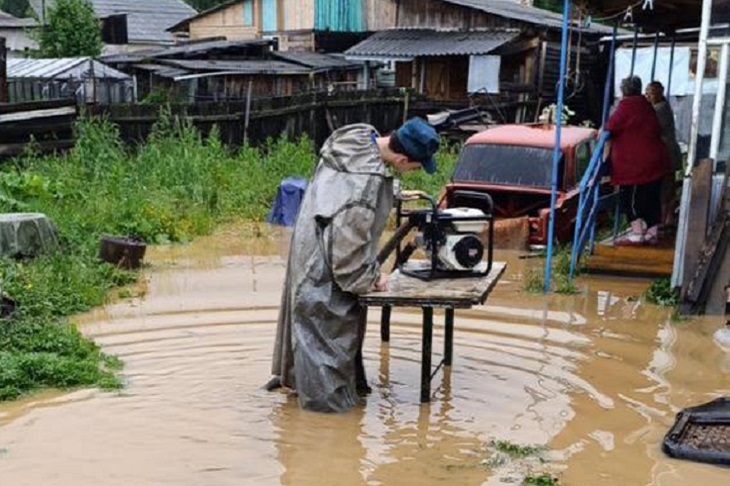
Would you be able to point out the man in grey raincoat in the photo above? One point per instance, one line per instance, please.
(333, 260)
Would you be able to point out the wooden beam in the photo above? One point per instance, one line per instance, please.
(699, 211)
(36, 114)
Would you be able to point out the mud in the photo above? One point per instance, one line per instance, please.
(596, 379)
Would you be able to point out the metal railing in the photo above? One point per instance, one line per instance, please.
(591, 203)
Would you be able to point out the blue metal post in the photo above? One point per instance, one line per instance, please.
(633, 50)
(653, 62)
(558, 144)
(668, 91)
(609, 77)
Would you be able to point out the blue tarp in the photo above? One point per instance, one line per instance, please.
(288, 199)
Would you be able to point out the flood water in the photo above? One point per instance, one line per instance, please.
(595, 378)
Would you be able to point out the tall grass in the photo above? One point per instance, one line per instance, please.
(174, 188)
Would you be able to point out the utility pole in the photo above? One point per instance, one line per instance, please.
(3, 72)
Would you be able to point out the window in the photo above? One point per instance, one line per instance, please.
(506, 165)
(248, 13)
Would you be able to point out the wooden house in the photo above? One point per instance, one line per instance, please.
(297, 25)
(500, 52)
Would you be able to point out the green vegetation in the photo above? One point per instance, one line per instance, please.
(541, 480)
(534, 281)
(174, 188)
(433, 183)
(661, 293)
(72, 30)
(516, 451)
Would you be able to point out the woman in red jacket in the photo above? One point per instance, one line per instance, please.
(639, 161)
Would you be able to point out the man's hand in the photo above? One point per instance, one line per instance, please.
(382, 284)
(412, 195)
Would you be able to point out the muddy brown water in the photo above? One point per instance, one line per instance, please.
(595, 378)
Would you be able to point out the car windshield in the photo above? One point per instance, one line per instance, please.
(506, 165)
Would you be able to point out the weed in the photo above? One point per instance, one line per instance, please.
(661, 293)
(562, 283)
(541, 480)
(516, 451)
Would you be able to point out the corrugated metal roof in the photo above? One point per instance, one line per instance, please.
(163, 71)
(61, 68)
(512, 9)
(10, 21)
(316, 60)
(147, 20)
(244, 67)
(409, 43)
(185, 50)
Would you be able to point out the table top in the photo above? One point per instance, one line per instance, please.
(460, 293)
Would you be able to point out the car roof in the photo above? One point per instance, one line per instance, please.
(542, 136)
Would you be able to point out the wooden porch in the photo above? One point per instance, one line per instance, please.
(634, 261)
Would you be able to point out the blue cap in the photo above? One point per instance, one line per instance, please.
(420, 142)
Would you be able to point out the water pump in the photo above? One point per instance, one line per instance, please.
(452, 239)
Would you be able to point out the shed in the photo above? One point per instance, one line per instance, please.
(442, 64)
(88, 80)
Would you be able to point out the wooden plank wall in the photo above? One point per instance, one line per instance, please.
(433, 14)
(48, 123)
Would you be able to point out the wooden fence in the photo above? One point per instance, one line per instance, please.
(49, 124)
(315, 115)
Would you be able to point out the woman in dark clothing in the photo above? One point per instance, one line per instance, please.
(639, 161)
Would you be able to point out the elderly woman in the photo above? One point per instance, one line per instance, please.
(639, 162)
(655, 95)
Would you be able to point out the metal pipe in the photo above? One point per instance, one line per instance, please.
(558, 145)
(681, 244)
(671, 67)
(719, 104)
(653, 61)
(633, 51)
(609, 77)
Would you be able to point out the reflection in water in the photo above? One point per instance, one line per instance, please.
(596, 377)
(319, 449)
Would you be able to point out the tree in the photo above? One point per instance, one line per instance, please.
(71, 30)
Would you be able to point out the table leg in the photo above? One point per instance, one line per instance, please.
(385, 323)
(426, 354)
(449, 337)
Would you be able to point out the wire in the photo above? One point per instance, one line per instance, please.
(623, 12)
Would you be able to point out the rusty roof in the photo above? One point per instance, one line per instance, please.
(532, 136)
(410, 43)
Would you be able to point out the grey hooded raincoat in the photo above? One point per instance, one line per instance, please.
(332, 261)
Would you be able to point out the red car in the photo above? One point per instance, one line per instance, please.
(513, 164)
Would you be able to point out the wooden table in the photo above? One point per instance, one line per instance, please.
(448, 294)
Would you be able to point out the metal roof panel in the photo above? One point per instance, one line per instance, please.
(408, 43)
(61, 68)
